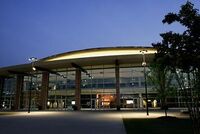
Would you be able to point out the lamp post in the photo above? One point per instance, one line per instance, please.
(91, 92)
(32, 60)
(145, 79)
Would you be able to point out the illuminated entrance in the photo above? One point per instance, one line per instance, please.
(98, 102)
(99, 90)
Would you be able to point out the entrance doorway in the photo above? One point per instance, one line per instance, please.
(131, 101)
(98, 101)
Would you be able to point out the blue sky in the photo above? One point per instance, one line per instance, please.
(40, 28)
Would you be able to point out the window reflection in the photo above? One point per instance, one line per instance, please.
(8, 94)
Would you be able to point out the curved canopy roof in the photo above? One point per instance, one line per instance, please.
(100, 52)
(88, 57)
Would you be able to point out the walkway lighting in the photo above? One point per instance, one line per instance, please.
(145, 81)
(32, 60)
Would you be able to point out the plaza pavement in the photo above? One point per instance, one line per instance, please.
(71, 122)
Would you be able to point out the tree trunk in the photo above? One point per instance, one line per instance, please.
(166, 107)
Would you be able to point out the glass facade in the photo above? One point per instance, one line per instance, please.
(61, 92)
(8, 94)
(98, 89)
(31, 92)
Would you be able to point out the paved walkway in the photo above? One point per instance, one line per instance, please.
(62, 123)
(84, 122)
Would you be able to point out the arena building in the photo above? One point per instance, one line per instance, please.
(98, 78)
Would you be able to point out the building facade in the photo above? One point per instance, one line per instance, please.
(99, 78)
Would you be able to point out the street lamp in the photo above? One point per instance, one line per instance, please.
(91, 91)
(145, 79)
(32, 60)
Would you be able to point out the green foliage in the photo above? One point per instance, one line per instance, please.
(161, 78)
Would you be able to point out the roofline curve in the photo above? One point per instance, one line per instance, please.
(94, 49)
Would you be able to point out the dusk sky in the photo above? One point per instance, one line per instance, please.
(40, 28)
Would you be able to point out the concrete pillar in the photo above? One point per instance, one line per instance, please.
(117, 76)
(44, 91)
(19, 88)
(1, 91)
(78, 89)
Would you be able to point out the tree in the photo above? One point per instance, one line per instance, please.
(161, 79)
(181, 53)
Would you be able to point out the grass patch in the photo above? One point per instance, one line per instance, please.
(158, 126)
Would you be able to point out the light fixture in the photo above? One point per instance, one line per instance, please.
(73, 102)
(144, 63)
(32, 59)
(33, 68)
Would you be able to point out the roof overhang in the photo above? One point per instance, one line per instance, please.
(88, 57)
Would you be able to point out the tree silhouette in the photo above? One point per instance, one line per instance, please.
(161, 78)
(181, 53)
